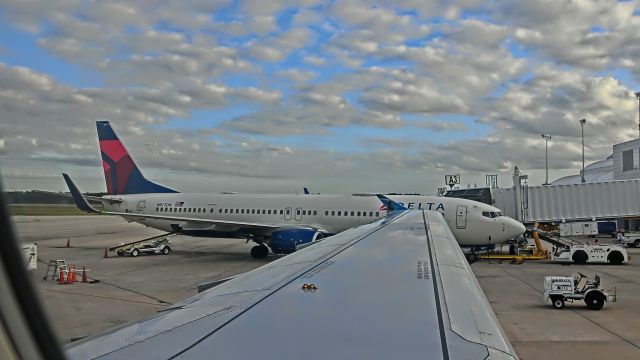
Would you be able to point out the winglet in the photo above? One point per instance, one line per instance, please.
(306, 191)
(390, 204)
(80, 201)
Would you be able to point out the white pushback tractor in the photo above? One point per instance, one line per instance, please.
(560, 289)
(584, 254)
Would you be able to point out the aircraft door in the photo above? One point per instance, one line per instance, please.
(298, 214)
(213, 209)
(461, 217)
(287, 213)
(141, 206)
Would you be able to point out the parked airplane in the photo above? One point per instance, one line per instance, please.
(281, 222)
(329, 301)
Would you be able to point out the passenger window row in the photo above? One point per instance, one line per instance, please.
(350, 213)
(179, 210)
(281, 212)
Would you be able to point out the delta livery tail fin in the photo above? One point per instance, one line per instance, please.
(120, 172)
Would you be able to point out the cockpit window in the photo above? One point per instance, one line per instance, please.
(491, 214)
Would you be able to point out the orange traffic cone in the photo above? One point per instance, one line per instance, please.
(61, 278)
(68, 242)
(84, 275)
(106, 255)
(72, 275)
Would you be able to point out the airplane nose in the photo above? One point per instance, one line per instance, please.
(515, 228)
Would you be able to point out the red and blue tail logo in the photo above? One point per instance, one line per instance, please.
(120, 172)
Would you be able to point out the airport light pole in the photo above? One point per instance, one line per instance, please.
(638, 97)
(546, 138)
(582, 122)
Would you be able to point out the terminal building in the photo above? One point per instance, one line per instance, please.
(610, 191)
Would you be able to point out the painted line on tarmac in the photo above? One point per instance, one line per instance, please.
(132, 291)
(101, 297)
(577, 312)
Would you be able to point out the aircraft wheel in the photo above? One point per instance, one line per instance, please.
(166, 250)
(472, 257)
(637, 243)
(594, 300)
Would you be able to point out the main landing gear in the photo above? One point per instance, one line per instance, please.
(259, 251)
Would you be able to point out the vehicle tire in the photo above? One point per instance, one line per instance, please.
(166, 250)
(615, 258)
(580, 257)
(472, 257)
(637, 243)
(594, 300)
(120, 253)
(558, 303)
(135, 252)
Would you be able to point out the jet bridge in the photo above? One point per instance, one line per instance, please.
(557, 203)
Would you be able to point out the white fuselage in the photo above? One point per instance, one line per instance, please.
(471, 222)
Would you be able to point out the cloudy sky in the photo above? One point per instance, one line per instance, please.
(341, 96)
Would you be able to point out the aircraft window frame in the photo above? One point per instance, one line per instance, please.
(353, 213)
(180, 210)
(253, 211)
(269, 212)
(377, 213)
(346, 213)
(297, 211)
(326, 213)
(264, 212)
(371, 213)
(288, 211)
(333, 213)
(157, 209)
(281, 211)
(304, 212)
(220, 210)
(339, 212)
(315, 212)
(241, 211)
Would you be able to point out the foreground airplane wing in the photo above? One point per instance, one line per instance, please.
(398, 287)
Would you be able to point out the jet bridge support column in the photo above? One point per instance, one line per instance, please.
(519, 196)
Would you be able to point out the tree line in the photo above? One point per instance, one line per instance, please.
(40, 197)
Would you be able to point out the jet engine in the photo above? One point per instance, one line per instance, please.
(286, 241)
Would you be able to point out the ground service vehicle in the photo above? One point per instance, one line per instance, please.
(585, 253)
(559, 289)
(157, 246)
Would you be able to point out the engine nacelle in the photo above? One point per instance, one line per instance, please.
(286, 241)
